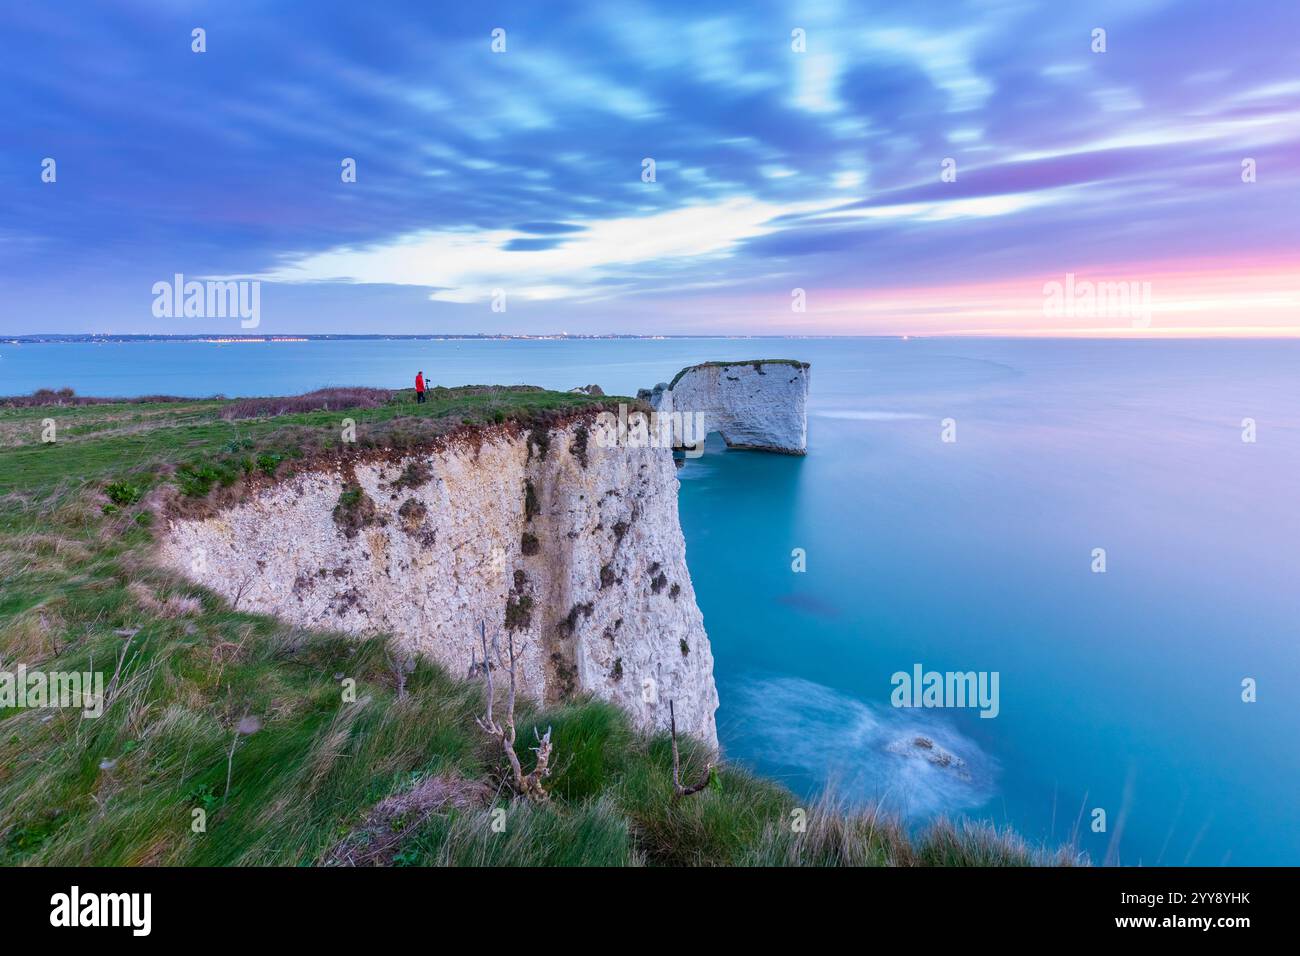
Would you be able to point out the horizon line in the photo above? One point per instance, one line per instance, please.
(1169, 332)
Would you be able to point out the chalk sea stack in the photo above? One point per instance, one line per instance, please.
(760, 405)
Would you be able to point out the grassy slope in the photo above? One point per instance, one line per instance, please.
(78, 591)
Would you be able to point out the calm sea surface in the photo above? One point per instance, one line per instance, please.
(1119, 691)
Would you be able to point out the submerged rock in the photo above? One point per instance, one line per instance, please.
(918, 747)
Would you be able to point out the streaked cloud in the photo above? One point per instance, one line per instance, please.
(463, 266)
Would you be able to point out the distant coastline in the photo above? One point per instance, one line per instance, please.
(224, 337)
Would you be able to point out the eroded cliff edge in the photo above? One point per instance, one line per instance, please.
(574, 547)
(759, 405)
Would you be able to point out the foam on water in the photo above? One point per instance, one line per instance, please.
(862, 753)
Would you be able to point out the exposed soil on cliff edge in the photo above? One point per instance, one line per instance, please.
(429, 436)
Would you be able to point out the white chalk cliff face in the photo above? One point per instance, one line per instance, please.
(756, 405)
(574, 547)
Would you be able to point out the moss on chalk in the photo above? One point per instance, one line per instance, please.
(532, 507)
(355, 510)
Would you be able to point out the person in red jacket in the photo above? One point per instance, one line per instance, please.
(419, 386)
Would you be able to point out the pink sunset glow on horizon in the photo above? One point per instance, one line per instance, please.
(1199, 298)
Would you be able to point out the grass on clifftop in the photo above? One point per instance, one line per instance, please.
(219, 438)
(245, 719)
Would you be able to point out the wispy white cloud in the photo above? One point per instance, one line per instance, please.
(465, 266)
(629, 253)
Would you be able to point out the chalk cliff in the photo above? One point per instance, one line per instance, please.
(573, 547)
(758, 405)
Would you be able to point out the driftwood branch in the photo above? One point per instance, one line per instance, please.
(678, 789)
(527, 784)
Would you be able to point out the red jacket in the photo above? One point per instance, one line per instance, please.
(419, 383)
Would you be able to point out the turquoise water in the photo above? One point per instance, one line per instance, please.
(1118, 690)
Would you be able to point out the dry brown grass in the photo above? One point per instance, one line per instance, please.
(321, 400)
(392, 820)
(66, 397)
(33, 637)
(174, 605)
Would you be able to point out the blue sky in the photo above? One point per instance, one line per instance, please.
(522, 170)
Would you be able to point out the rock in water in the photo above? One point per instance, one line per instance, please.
(758, 405)
(924, 748)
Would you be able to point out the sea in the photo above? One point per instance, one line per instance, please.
(1112, 527)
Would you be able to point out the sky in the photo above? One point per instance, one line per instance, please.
(969, 167)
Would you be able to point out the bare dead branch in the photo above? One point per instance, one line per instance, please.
(400, 666)
(530, 784)
(239, 592)
(230, 764)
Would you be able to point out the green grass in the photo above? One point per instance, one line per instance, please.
(79, 591)
(101, 443)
